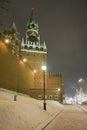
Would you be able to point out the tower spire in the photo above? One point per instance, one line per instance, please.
(13, 26)
(33, 18)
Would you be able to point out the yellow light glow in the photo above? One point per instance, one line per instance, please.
(6, 40)
(24, 60)
(35, 71)
(44, 67)
(58, 89)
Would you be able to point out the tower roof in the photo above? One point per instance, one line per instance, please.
(13, 26)
(33, 18)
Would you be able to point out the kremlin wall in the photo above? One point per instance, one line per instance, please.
(14, 73)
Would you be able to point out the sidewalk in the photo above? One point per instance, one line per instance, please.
(83, 107)
(47, 122)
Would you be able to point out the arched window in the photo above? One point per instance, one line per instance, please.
(26, 47)
(41, 49)
(30, 47)
(37, 48)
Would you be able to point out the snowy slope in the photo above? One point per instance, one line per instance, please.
(24, 114)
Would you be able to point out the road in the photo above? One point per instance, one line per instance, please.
(72, 118)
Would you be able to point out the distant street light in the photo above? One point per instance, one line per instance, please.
(44, 69)
(80, 80)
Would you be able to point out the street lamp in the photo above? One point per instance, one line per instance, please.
(44, 69)
(80, 80)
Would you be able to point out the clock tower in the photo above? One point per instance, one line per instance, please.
(32, 29)
(34, 51)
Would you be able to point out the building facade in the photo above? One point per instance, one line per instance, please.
(34, 52)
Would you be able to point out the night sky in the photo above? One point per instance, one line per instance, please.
(63, 26)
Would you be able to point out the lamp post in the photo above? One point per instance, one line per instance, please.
(44, 69)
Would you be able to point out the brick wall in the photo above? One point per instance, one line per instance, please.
(14, 74)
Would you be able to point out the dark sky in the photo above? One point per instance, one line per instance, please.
(63, 26)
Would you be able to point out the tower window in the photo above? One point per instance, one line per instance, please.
(33, 25)
(37, 48)
(41, 49)
(28, 26)
(26, 47)
(55, 97)
(31, 47)
(50, 97)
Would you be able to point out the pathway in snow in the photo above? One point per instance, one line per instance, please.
(72, 118)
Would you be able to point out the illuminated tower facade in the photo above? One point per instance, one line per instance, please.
(36, 54)
(34, 51)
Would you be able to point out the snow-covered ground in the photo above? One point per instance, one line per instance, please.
(72, 118)
(84, 107)
(26, 113)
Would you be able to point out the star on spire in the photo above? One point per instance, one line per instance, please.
(33, 8)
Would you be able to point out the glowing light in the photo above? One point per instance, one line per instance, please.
(32, 8)
(80, 80)
(24, 60)
(35, 71)
(6, 40)
(44, 68)
(58, 89)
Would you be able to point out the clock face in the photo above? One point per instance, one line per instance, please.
(32, 33)
(32, 38)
